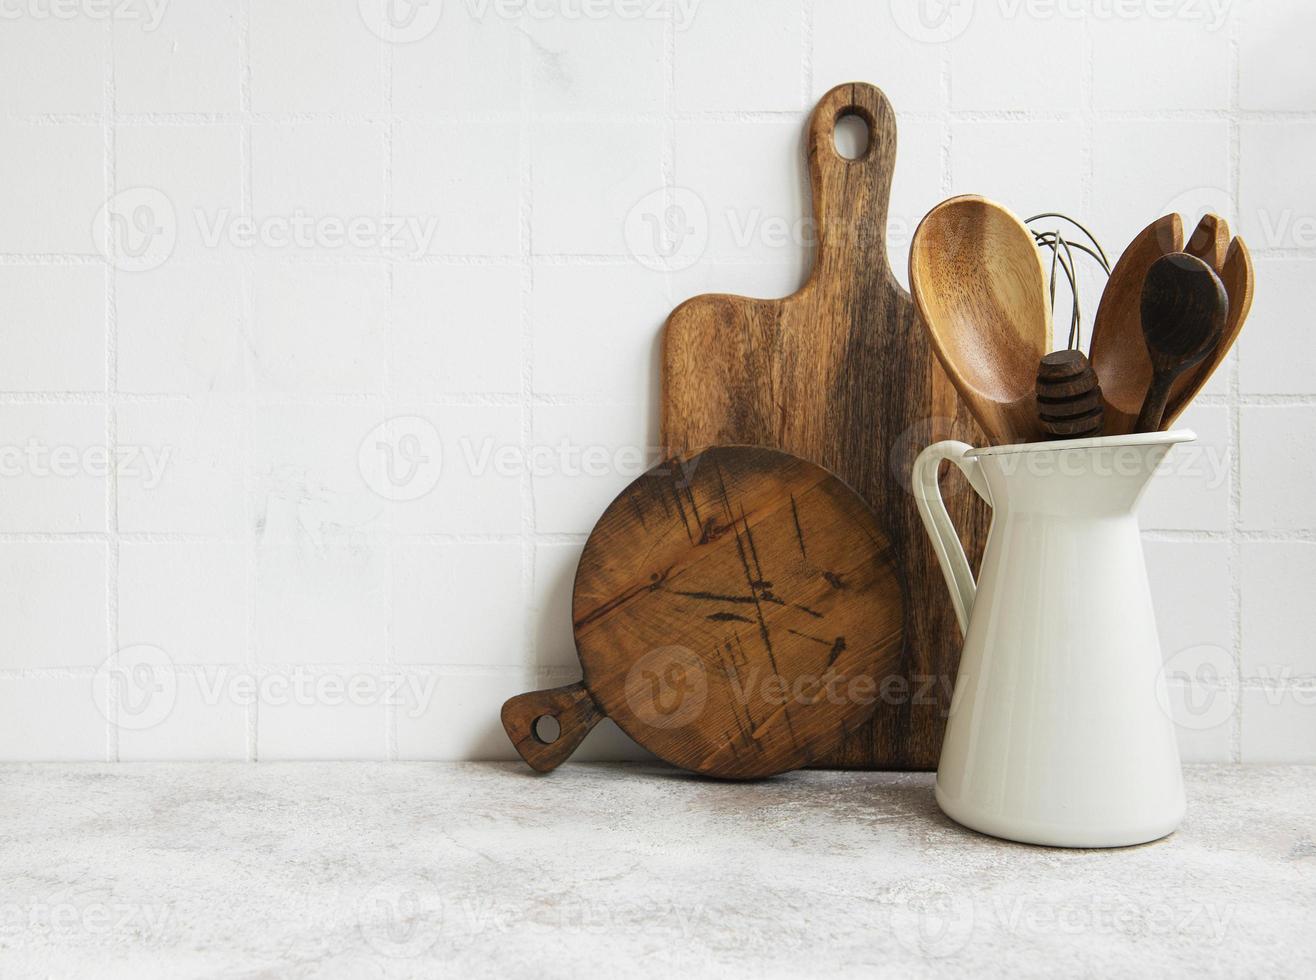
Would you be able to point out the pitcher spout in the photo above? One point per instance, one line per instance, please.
(1103, 476)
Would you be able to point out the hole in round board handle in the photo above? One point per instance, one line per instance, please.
(850, 135)
(546, 729)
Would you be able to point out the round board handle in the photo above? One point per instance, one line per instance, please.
(571, 707)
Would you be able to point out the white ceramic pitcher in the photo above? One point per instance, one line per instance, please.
(1056, 734)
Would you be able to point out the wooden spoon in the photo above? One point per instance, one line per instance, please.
(981, 288)
(1184, 306)
(1237, 275)
(1118, 352)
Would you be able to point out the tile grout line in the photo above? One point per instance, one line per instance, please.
(247, 181)
(390, 583)
(1150, 532)
(806, 45)
(1257, 682)
(944, 117)
(1282, 682)
(111, 555)
(667, 163)
(1087, 95)
(525, 257)
(579, 259)
(472, 399)
(164, 120)
(1235, 411)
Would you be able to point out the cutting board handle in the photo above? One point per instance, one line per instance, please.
(572, 707)
(850, 197)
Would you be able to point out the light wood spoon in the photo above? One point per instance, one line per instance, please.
(981, 288)
(1184, 306)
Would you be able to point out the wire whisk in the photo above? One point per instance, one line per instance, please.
(1069, 401)
(1062, 258)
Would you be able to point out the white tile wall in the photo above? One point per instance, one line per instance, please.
(54, 319)
(379, 302)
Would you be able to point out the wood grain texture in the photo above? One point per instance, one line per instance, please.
(1184, 306)
(1120, 357)
(1068, 396)
(981, 287)
(1118, 352)
(731, 610)
(1209, 241)
(571, 706)
(1237, 275)
(841, 373)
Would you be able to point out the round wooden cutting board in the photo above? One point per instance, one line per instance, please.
(735, 612)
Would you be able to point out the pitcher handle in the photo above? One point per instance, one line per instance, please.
(945, 539)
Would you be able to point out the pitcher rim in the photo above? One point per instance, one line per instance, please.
(1170, 438)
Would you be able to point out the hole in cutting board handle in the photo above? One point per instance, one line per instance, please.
(546, 729)
(850, 135)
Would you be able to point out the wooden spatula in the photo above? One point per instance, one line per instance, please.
(1118, 353)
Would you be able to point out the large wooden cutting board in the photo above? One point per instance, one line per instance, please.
(841, 373)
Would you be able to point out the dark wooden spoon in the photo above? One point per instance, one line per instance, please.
(1184, 307)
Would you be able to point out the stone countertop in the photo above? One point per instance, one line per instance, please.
(401, 869)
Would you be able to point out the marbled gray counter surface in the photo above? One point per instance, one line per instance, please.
(433, 870)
